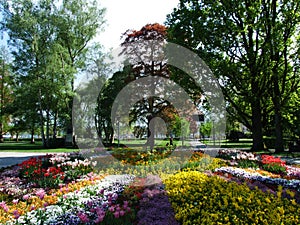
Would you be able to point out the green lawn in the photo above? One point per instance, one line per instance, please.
(242, 143)
(139, 142)
(25, 146)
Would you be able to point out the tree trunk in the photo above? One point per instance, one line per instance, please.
(55, 125)
(150, 132)
(112, 136)
(2, 104)
(278, 118)
(279, 146)
(42, 123)
(47, 128)
(1, 133)
(257, 133)
(32, 141)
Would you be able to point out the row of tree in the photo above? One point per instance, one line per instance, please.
(253, 49)
(49, 42)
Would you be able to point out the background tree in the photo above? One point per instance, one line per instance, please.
(147, 63)
(6, 93)
(105, 101)
(248, 45)
(49, 42)
(93, 76)
(78, 22)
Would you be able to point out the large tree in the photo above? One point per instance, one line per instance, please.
(144, 48)
(6, 93)
(249, 46)
(78, 23)
(49, 41)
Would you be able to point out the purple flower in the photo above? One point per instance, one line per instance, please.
(83, 217)
(117, 214)
(16, 214)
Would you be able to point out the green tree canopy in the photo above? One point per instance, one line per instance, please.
(252, 47)
(49, 40)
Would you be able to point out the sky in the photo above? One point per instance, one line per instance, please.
(131, 14)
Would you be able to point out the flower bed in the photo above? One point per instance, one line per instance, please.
(201, 199)
(99, 202)
(256, 176)
(40, 182)
(140, 157)
(234, 188)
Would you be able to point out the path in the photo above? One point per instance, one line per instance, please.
(13, 158)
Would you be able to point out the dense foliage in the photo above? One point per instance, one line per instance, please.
(253, 48)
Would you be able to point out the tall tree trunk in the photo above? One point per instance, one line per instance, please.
(111, 136)
(32, 136)
(42, 120)
(257, 129)
(279, 146)
(2, 103)
(278, 118)
(47, 128)
(1, 133)
(150, 132)
(55, 126)
(17, 137)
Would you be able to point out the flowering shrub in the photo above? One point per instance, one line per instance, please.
(200, 199)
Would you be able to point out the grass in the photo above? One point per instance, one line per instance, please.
(26, 146)
(242, 143)
(140, 142)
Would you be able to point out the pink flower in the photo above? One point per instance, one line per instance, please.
(26, 197)
(15, 201)
(128, 209)
(100, 213)
(111, 209)
(40, 193)
(99, 219)
(117, 214)
(122, 213)
(4, 206)
(83, 217)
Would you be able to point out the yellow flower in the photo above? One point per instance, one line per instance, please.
(267, 200)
